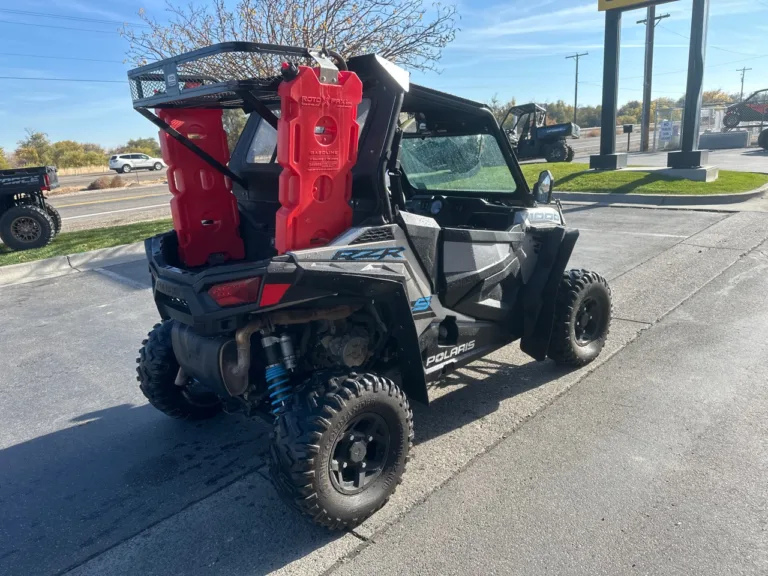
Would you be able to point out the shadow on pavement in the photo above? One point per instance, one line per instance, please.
(73, 494)
(479, 395)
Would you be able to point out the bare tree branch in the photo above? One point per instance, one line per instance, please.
(405, 31)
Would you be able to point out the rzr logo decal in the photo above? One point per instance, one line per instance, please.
(367, 254)
(447, 355)
(422, 304)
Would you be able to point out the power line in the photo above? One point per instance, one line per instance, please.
(58, 27)
(76, 18)
(59, 57)
(62, 79)
(713, 47)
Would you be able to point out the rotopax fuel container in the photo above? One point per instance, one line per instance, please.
(204, 210)
(317, 148)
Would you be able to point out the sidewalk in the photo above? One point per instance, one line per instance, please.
(655, 464)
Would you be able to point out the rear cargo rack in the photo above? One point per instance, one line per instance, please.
(227, 75)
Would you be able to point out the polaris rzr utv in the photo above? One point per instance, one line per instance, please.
(366, 238)
(531, 138)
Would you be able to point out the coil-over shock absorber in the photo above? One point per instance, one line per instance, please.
(280, 359)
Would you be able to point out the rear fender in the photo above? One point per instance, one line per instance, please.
(540, 293)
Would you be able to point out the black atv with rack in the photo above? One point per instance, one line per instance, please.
(27, 220)
(446, 256)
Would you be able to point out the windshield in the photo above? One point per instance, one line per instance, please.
(462, 163)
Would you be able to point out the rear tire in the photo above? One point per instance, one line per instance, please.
(157, 370)
(125, 169)
(55, 218)
(341, 449)
(571, 154)
(157, 166)
(582, 318)
(557, 152)
(26, 227)
(732, 120)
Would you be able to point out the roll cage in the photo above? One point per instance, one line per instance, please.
(231, 76)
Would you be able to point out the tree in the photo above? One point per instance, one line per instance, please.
(4, 164)
(717, 97)
(401, 30)
(559, 112)
(34, 150)
(500, 110)
(630, 113)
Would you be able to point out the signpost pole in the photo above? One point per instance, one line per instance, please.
(690, 156)
(608, 159)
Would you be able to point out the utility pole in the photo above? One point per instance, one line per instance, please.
(650, 36)
(576, 97)
(743, 73)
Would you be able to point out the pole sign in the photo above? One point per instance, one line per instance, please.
(666, 131)
(603, 5)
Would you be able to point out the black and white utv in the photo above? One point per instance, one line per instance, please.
(450, 256)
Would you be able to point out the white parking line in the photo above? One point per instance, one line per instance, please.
(651, 234)
(164, 204)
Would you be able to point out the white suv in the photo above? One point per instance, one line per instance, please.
(126, 162)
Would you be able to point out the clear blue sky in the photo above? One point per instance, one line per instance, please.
(513, 48)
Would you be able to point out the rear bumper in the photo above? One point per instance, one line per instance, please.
(182, 294)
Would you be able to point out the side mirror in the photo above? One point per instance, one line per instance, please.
(542, 190)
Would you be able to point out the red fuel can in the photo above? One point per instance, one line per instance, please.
(204, 210)
(317, 148)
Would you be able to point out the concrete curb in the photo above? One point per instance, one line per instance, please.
(659, 199)
(62, 265)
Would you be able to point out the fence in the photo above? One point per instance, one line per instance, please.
(83, 170)
(669, 124)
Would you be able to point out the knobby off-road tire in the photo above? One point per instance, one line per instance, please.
(157, 370)
(571, 154)
(732, 120)
(26, 227)
(762, 141)
(325, 428)
(557, 152)
(55, 218)
(582, 322)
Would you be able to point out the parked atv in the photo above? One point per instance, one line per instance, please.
(342, 260)
(27, 220)
(753, 109)
(532, 138)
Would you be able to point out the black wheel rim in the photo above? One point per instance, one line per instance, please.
(589, 319)
(359, 454)
(26, 229)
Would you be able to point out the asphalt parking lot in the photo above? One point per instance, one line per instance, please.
(95, 481)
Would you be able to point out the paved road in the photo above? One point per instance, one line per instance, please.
(93, 481)
(111, 207)
(135, 176)
(654, 464)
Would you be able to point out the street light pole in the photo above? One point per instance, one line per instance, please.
(576, 96)
(743, 73)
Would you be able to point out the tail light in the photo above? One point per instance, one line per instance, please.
(47, 183)
(235, 293)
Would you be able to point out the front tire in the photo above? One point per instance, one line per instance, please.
(582, 318)
(26, 227)
(157, 370)
(55, 218)
(341, 449)
(762, 141)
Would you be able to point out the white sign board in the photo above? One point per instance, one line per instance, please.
(665, 131)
